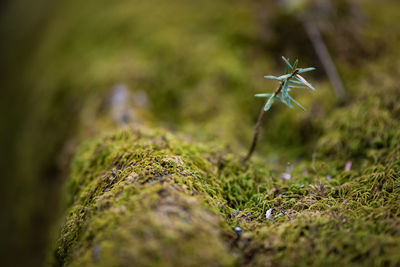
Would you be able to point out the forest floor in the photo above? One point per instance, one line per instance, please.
(146, 109)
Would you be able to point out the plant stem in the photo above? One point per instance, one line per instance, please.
(257, 129)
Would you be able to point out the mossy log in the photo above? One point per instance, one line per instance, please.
(199, 63)
(146, 197)
(138, 198)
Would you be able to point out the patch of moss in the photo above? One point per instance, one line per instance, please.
(198, 62)
(339, 216)
(151, 197)
(139, 197)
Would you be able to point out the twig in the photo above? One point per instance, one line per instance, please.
(256, 135)
(323, 54)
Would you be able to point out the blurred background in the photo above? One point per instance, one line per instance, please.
(189, 66)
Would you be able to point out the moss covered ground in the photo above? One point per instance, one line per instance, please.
(149, 197)
(168, 188)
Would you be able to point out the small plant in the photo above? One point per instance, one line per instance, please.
(290, 80)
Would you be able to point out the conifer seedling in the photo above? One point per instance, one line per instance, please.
(290, 80)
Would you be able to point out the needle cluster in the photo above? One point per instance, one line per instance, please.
(290, 80)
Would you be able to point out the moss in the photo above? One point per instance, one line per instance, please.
(150, 197)
(199, 63)
(153, 224)
(136, 195)
(132, 203)
(350, 219)
(353, 131)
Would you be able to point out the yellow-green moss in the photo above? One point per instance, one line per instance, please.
(340, 217)
(139, 199)
(200, 64)
(148, 197)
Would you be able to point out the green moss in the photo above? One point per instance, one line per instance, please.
(200, 64)
(351, 219)
(132, 203)
(353, 131)
(150, 197)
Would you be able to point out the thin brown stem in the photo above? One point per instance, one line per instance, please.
(324, 56)
(257, 131)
